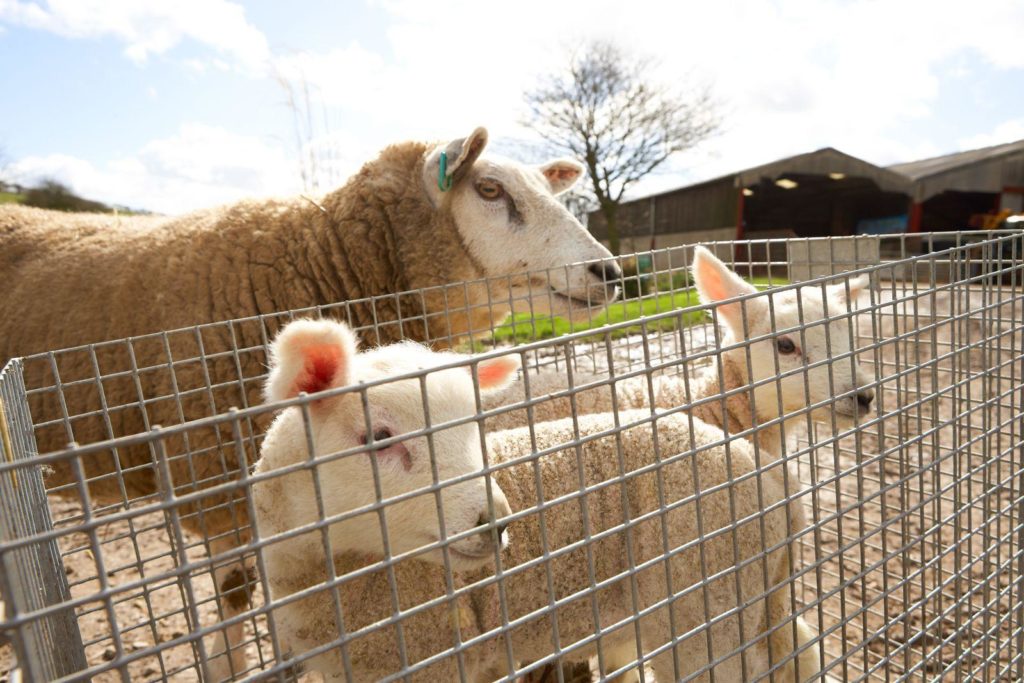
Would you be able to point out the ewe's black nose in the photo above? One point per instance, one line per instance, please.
(606, 272)
(864, 399)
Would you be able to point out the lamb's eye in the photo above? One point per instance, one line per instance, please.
(490, 190)
(785, 345)
(378, 435)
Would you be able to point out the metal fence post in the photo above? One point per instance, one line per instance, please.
(31, 576)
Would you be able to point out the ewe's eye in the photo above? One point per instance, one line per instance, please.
(490, 190)
(785, 346)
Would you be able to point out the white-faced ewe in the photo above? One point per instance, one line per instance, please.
(80, 278)
(652, 488)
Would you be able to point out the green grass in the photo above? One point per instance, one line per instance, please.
(11, 198)
(522, 328)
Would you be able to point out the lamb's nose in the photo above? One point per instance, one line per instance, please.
(609, 273)
(865, 397)
(485, 520)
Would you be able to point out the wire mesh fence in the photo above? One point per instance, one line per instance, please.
(821, 480)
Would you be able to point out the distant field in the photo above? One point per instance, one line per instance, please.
(522, 328)
(11, 198)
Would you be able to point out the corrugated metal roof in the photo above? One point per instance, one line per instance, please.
(915, 170)
(822, 162)
(989, 169)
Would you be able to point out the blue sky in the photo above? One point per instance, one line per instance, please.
(172, 106)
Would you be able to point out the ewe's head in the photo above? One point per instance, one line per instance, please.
(511, 221)
(803, 329)
(312, 356)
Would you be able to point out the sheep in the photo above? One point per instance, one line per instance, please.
(741, 410)
(812, 334)
(741, 514)
(729, 504)
(76, 279)
(318, 356)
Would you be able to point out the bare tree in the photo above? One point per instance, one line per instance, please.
(606, 110)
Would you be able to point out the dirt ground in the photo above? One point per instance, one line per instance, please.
(910, 570)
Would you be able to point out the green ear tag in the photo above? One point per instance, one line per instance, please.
(444, 181)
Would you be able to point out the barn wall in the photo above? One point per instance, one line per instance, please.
(706, 206)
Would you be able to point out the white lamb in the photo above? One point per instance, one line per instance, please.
(678, 464)
(808, 329)
(826, 334)
(313, 356)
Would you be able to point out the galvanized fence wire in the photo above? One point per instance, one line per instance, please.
(909, 565)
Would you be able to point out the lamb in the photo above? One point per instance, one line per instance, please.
(75, 279)
(743, 409)
(741, 509)
(812, 330)
(320, 356)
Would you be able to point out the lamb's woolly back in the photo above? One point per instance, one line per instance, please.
(480, 610)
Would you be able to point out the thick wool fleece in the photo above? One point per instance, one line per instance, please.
(80, 278)
(733, 414)
(311, 622)
(105, 277)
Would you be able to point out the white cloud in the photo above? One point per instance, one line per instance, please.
(794, 75)
(199, 166)
(149, 28)
(1007, 131)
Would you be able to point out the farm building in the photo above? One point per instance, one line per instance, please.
(829, 193)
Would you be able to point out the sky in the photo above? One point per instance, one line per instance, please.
(175, 105)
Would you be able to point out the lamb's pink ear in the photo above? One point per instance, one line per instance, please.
(497, 373)
(715, 283)
(857, 285)
(561, 174)
(310, 356)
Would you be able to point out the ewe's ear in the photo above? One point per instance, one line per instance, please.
(857, 285)
(561, 174)
(310, 356)
(459, 157)
(715, 283)
(497, 373)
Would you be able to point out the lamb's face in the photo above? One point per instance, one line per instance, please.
(511, 222)
(405, 464)
(390, 458)
(806, 355)
(791, 360)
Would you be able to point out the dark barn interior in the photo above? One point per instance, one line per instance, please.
(817, 205)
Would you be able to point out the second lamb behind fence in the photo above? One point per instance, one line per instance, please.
(657, 523)
(783, 352)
